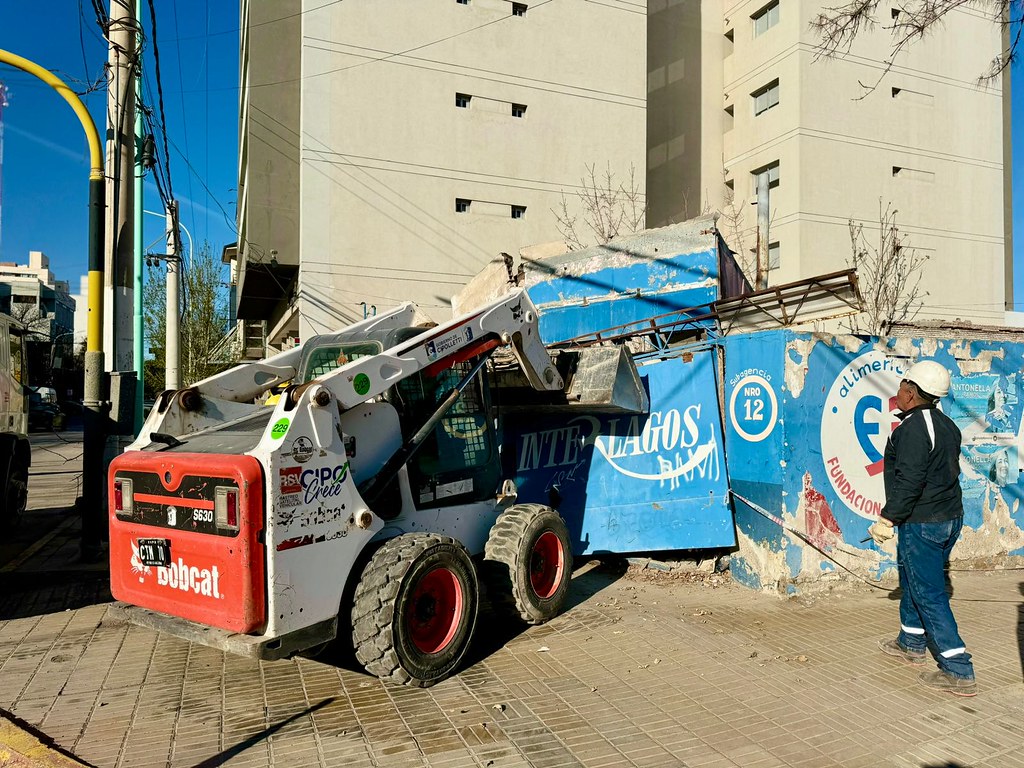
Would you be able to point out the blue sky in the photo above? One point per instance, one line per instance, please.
(45, 160)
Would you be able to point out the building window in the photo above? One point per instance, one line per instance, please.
(518, 9)
(771, 171)
(766, 18)
(462, 2)
(773, 256)
(518, 110)
(462, 100)
(912, 174)
(462, 205)
(518, 211)
(766, 97)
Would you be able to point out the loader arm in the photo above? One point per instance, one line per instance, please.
(245, 382)
(229, 395)
(511, 320)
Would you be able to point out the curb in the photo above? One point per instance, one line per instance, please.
(22, 748)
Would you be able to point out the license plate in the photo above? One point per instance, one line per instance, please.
(155, 551)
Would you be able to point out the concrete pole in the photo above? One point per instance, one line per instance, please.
(172, 350)
(138, 332)
(762, 231)
(120, 169)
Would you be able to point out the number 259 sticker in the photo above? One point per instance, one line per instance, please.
(753, 408)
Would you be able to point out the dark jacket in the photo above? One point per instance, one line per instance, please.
(922, 468)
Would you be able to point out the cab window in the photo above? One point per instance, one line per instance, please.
(458, 462)
(330, 357)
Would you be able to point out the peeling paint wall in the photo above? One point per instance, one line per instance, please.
(818, 468)
(633, 278)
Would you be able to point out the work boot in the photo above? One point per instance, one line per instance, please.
(893, 648)
(943, 681)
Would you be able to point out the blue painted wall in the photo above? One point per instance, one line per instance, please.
(645, 275)
(819, 469)
(637, 483)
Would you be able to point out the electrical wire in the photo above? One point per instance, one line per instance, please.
(160, 94)
(184, 118)
(397, 53)
(227, 218)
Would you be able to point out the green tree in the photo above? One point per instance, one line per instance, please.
(202, 324)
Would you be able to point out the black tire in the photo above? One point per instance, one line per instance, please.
(414, 609)
(528, 563)
(16, 494)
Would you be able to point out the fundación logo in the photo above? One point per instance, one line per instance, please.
(857, 418)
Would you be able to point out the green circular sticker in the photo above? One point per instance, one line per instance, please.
(280, 429)
(361, 384)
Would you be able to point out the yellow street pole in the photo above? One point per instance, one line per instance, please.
(94, 437)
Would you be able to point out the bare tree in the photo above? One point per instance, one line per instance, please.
(740, 235)
(608, 209)
(838, 26)
(736, 234)
(889, 273)
(28, 315)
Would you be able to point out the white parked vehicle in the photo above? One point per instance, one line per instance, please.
(15, 452)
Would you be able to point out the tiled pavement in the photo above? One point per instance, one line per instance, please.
(633, 673)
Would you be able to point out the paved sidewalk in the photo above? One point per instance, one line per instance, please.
(635, 672)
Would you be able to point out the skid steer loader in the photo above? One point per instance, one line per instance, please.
(368, 500)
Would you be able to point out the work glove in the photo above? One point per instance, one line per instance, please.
(881, 531)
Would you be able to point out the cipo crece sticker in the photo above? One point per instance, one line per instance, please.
(857, 418)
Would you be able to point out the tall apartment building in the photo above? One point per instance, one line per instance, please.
(736, 89)
(390, 150)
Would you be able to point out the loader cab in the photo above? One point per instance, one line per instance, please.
(459, 462)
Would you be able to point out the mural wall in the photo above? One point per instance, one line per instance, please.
(807, 418)
(635, 483)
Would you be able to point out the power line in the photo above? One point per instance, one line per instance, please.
(464, 67)
(397, 53)
(258, 24)
(160, 95)
(184, 119)
(227, 217)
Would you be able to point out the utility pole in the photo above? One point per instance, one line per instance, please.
(138, 324)
(120, 169)
(762, 231)
(171, 346)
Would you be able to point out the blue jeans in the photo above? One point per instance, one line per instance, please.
(926, 619)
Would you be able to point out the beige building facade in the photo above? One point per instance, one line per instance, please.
(392, 149)
(838, 137)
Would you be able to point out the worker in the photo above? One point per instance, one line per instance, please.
(923, 500)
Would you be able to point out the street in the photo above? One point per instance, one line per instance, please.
(643, 668)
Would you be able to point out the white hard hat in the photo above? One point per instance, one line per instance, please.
(930, 377)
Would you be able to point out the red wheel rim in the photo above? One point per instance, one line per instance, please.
(547, 562)
(435, 610)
